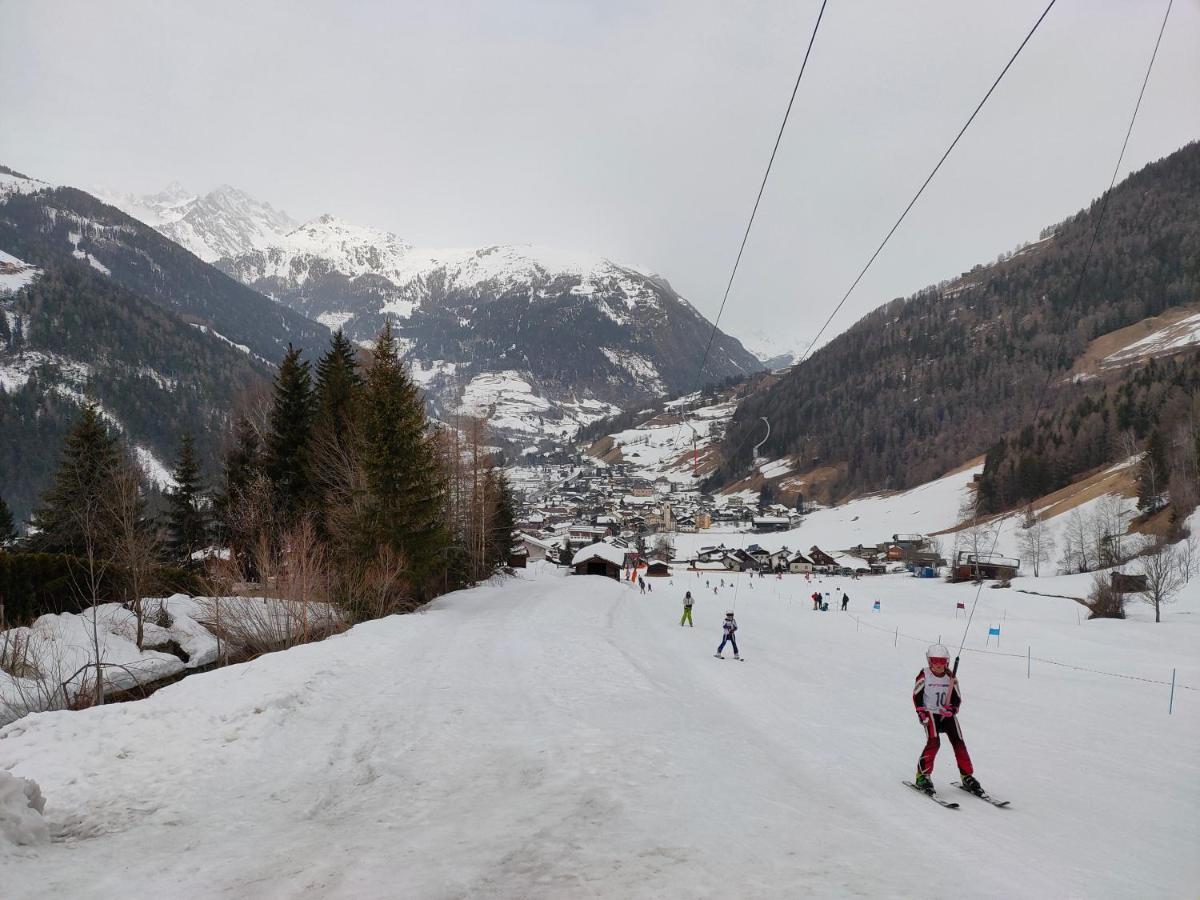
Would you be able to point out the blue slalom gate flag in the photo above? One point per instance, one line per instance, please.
(994, 632)
(876, 606)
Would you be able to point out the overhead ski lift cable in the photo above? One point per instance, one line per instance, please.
(929, 178)
(750, 224)
(925, 183)
(907, 209)
(1075, 297)
(758, 199)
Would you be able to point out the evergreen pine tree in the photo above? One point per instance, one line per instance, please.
(504, 519)
(8, 530)
(338, 385)
(337, 397)
(243, 463)
(242, 469)
(289, 438)
(404, 484)
(75, 506)
(187, 520)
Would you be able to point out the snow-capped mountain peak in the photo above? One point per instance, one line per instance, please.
(353, 250)
(539, 340)
(226, 221)
(774, 350)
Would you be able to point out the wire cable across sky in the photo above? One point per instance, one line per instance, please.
(928, 179)
(757, 200)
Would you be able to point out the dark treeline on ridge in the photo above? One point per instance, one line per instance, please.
(922, 384)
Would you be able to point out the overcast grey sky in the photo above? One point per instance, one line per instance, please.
(635, 130)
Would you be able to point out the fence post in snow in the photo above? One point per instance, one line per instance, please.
(1171, 703)
(896, 639)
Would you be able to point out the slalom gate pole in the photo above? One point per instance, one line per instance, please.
(1171, 702)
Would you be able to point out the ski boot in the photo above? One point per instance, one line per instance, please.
(924, 783)
(971, 784)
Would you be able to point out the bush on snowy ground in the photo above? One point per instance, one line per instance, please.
(21, 808)
(1105, 601)
(250, 626)
(300, 608)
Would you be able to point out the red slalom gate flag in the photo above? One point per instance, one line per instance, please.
(960, 606)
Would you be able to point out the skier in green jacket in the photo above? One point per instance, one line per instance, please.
(687, 611)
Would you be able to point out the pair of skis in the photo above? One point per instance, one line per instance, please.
(949, 804)
(738, 658)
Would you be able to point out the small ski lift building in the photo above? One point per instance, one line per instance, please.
(988, 566)
(599, 559)
(657, 569)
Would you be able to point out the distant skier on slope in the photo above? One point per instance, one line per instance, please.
(845, 601)
(730, 629)
(687, 610)
(937, 699)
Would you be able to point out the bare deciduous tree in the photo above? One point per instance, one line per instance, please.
(133, 545)
(979, 536)
(1036, 541)
(1161, 570)
(1188, 551)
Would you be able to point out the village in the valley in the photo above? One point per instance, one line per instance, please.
(602, 519)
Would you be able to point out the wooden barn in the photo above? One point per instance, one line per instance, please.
(599, 559)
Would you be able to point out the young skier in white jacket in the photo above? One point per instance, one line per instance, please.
(730, 629)
(937, 699)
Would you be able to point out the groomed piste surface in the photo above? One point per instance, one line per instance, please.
(552, 736)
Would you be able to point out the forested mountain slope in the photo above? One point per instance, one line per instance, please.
(42, 224)
(71, 331)
(922, 384)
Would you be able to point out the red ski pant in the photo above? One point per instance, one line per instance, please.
(947, 725)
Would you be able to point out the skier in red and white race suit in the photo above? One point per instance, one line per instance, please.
(937, 699)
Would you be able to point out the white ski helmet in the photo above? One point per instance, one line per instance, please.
(937, 651)
(729, 613)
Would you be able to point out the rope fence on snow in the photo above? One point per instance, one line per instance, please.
(1027, 656)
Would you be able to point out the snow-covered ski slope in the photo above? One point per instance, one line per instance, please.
(551, 736)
